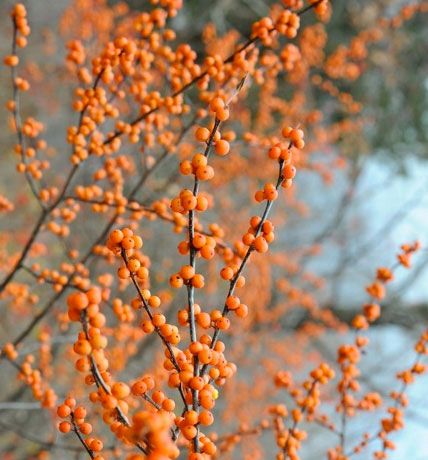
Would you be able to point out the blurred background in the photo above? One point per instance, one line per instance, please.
(357, 216)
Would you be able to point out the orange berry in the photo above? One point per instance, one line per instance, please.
(147, 326)
(242, 311)
(195, 347)
(94, 296)
(138, 242)
(120, 390)
(85, 428)
(96, 445)
(259, 196)
(70, 402)
(216, 104)
(116, 236)
(187, 272)
(80, 412)
(226, 273)
(255, 222)
(207, 252)
(223, 323)
(158, 397)
(267, 226)
(248, 239)
(214, 373)
(128, 243)
(99, 342)
(260, 244)
(21, 42)
(186, 168)
(207, 401)
(209, 448)
(222, 147)
(19, 10)
(240, 282)
(183, 317)
(202, 203)
(189, 431)
(270, 192)
(197, 383)
(199, 159)
(176, 281)
(198, 281)
(78, 300)
(222, 114)
(158, 320)
(168, 405)
(188, 202)
(11, 60)
(63, 411)
(203, 319)
(289, 171)
(123, 273)
(191, 417)
(202, 134)
(82, 347)
(371, 311)
(199, 241)
(286, 130)
(269, 237)
(154, 301)
(299, 143)
(204, 172)
(127, 232)
(133, 265)
(206, 418)
(232, 302)
(205, 356)
(142, 273)
(64, 427)
(274, 152)
(139, 388)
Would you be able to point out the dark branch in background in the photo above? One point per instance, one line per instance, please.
(75, 429)
(157, 329)
(17, 119)
(16, 430)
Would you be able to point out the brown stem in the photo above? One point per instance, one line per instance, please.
(80, 437)
(250, 249)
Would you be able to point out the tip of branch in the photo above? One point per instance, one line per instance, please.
(241, 83)
(238, 88)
